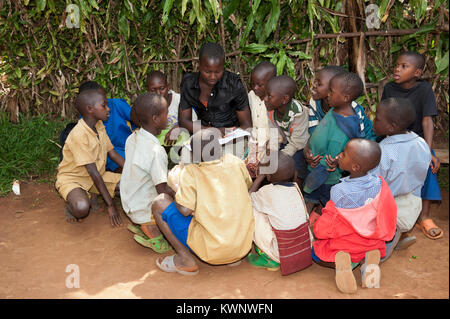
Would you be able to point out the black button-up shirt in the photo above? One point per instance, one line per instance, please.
(227, 97)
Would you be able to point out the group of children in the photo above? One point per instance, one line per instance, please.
(344, 192)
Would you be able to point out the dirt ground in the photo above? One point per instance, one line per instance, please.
(37, 245)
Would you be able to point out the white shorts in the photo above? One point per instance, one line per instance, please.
(408, 210)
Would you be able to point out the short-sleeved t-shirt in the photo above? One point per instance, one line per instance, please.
(83, 146)
(221, 231)
(145, 167)
(227, 96)
(118, 127)
(421, 96)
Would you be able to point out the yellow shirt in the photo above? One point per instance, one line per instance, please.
(83, 146)
(221, 230)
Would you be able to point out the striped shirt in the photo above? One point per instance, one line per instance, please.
(316, 114)
(355, 192)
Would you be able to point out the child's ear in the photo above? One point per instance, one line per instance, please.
(155, 119)
(89, 109)
(347, 98)
(286, 99)
(418, 73)
(356, 167)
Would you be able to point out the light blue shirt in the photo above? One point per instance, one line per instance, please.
(404, 163)
(355, 192)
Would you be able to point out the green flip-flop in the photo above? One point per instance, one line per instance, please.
(159, 244)
(262, 261)
(136, 230)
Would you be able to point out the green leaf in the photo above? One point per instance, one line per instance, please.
(94, 4)
(395, 47)
(229, 9)
(40, 4)
(85, 8)
(166, 10)
(255, 5)
(382, 8)
(281, 62)
(216, 9)
(255, 48)
(124, 26)
(290, 67)
(18, 72)
(183, 7)
(442, 63)
(271, 24)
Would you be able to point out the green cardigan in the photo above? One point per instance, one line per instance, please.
(328, 139)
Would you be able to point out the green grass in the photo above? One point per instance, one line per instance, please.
(28, 149)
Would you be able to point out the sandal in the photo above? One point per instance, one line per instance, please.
(262, 261)
(427, 224)
(167, 264)
(158, 244)
(136, 230)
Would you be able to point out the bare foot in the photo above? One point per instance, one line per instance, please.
(70, 218)
(183, 262)
(96, 206)
(151, 231)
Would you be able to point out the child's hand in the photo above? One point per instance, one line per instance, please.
(313, 161)
(114, 216)
(332, 162)
(168, 138)
(435, 164)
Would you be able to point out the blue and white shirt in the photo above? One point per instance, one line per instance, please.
(355, 192)
(404, 163)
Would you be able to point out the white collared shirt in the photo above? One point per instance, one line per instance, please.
(145, 167)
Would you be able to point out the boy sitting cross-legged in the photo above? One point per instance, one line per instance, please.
(211, 214)
(82, 169)
(358, 219)
(145, 171)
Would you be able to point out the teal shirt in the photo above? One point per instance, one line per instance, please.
(328, 139)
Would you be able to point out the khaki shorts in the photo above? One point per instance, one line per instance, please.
(109, 178)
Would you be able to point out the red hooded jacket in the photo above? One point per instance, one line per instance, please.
(356, 230)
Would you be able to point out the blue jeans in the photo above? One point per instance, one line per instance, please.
(317, 177)
(300, 162)
(319, 196)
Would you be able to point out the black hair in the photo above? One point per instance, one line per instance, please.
(367, 153)
(354, 86)
(285, 84)
(419, 59)
(399, 111)
(156, 74)
(333, 70)
(148, 104)
(87, 97)
(285, 169)
(201, 141)
(212, 50)
(89, 85)
(265, 67)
